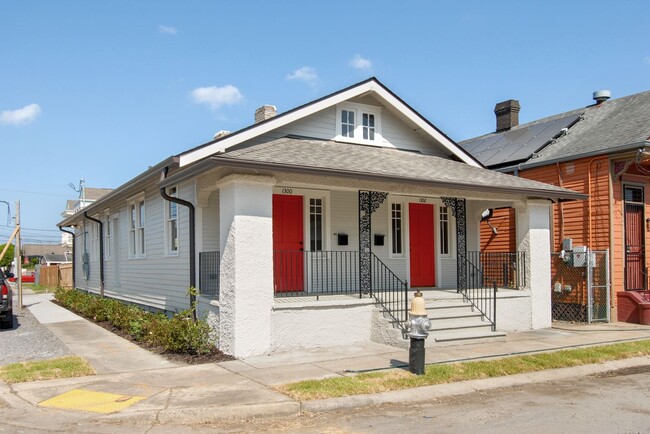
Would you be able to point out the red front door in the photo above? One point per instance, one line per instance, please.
(422, 258)
(634, 240)
(288, 268)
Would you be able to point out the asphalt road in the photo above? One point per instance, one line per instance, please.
(28, 340)
(616, 402)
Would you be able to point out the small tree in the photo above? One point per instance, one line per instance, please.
(9, 256)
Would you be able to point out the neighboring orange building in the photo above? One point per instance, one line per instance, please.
(602, 150)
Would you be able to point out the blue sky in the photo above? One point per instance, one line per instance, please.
(102, 90)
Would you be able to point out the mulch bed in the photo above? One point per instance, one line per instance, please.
(188, 359)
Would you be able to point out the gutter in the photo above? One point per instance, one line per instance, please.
(190, 207)
(101, 252)
(74, 258)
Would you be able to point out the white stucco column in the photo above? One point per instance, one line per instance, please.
(246, 276)
(533, 237)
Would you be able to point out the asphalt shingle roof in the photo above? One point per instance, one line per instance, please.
(601, 129)
(387, 162)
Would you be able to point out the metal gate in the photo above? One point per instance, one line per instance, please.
(580, 288)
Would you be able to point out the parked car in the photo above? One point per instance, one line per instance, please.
(6, 308)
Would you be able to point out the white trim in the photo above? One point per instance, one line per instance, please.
(108, 238)
(392, 255)
(169, 253)
(282, 120)
(140, 229)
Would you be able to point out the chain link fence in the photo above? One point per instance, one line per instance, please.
(580, 286)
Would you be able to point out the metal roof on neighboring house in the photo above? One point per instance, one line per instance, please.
(326, 156)
(613, 125)
(44, 249)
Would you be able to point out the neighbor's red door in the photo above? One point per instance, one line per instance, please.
(422, 253)
(288, 268)
(634, 240)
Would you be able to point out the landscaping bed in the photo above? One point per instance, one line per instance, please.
(177, 338)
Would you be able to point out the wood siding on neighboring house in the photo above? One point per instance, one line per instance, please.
(505, 240)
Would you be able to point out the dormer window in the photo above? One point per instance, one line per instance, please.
(358, 123)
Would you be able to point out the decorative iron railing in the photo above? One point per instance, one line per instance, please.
(504, 268)
(301, 273)
(209, 267)
(480, 293)
(389, 291)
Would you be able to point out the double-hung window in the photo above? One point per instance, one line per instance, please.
(316, 224)
(108, 230)
(396, 229)
(136, 228)
(444, 231)
(359, 123)
(171, 223)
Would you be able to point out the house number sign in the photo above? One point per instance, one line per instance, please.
(423, 200)
(287, 191)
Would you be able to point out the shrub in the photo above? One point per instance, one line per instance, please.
(178, 334)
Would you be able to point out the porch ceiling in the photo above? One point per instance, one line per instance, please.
(330, 158)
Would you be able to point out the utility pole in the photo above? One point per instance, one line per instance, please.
(19, 263)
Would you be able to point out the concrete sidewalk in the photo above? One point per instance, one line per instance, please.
(243, 388)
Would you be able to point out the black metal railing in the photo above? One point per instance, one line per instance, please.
(480, 293)
(504, 268)
(389, 291)
(209, 267)
(297, 273)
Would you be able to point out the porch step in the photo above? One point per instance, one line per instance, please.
(467, 322)
(463, 336)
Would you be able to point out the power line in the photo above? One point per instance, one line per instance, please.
(36, 192)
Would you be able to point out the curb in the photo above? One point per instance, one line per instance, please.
(235, 412)
(420, 394)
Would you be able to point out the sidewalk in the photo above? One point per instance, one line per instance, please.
(243, 388)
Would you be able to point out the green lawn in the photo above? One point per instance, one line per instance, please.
(397, 379)
(64, 367)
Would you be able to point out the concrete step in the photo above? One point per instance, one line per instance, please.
(464, 336)
(458, 323)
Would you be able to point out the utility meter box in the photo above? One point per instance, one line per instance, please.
(567, 244)
(580, 258)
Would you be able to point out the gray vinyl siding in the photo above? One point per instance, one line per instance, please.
(158, 280)
(211, 223)
(322, 125)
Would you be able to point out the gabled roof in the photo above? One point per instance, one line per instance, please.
(331, 158)
(616, 125)
(92, 193)
(371, 85)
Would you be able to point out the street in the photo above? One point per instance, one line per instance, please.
(617, 402)
(614, 402)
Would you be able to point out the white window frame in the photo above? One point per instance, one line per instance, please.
(169, 251)
(451, 225)
(137, 227)
(391, 241)
(359, 110)
(94, 241)
(108, 239)
(325, 212)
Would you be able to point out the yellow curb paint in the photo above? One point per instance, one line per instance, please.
(88, 400)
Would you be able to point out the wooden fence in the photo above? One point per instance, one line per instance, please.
(54, 276)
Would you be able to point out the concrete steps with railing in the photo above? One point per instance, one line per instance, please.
(454, 321)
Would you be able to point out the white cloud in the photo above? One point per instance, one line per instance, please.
(216, 97)
(167, 30)
(20, 116)
(306, 74)
(361, 63)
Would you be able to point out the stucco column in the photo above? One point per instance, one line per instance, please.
(533, 237)
(246, 277)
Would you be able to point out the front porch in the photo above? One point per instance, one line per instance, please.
(350, 270)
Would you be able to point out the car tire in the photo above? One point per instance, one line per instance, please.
(9, 322)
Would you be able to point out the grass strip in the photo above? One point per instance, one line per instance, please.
(63, 367)
(375, 382)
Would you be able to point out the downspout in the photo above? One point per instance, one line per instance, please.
(560, 205)
(190, 207)
(589, 198)
(101, 252)
(74, 258)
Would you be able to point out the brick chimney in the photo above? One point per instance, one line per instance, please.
(507, 114)
(265, 112)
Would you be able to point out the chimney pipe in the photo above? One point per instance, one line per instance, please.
(265, 112)
(600, 96)
(507, 113)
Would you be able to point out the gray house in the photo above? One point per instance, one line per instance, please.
(310, 227)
